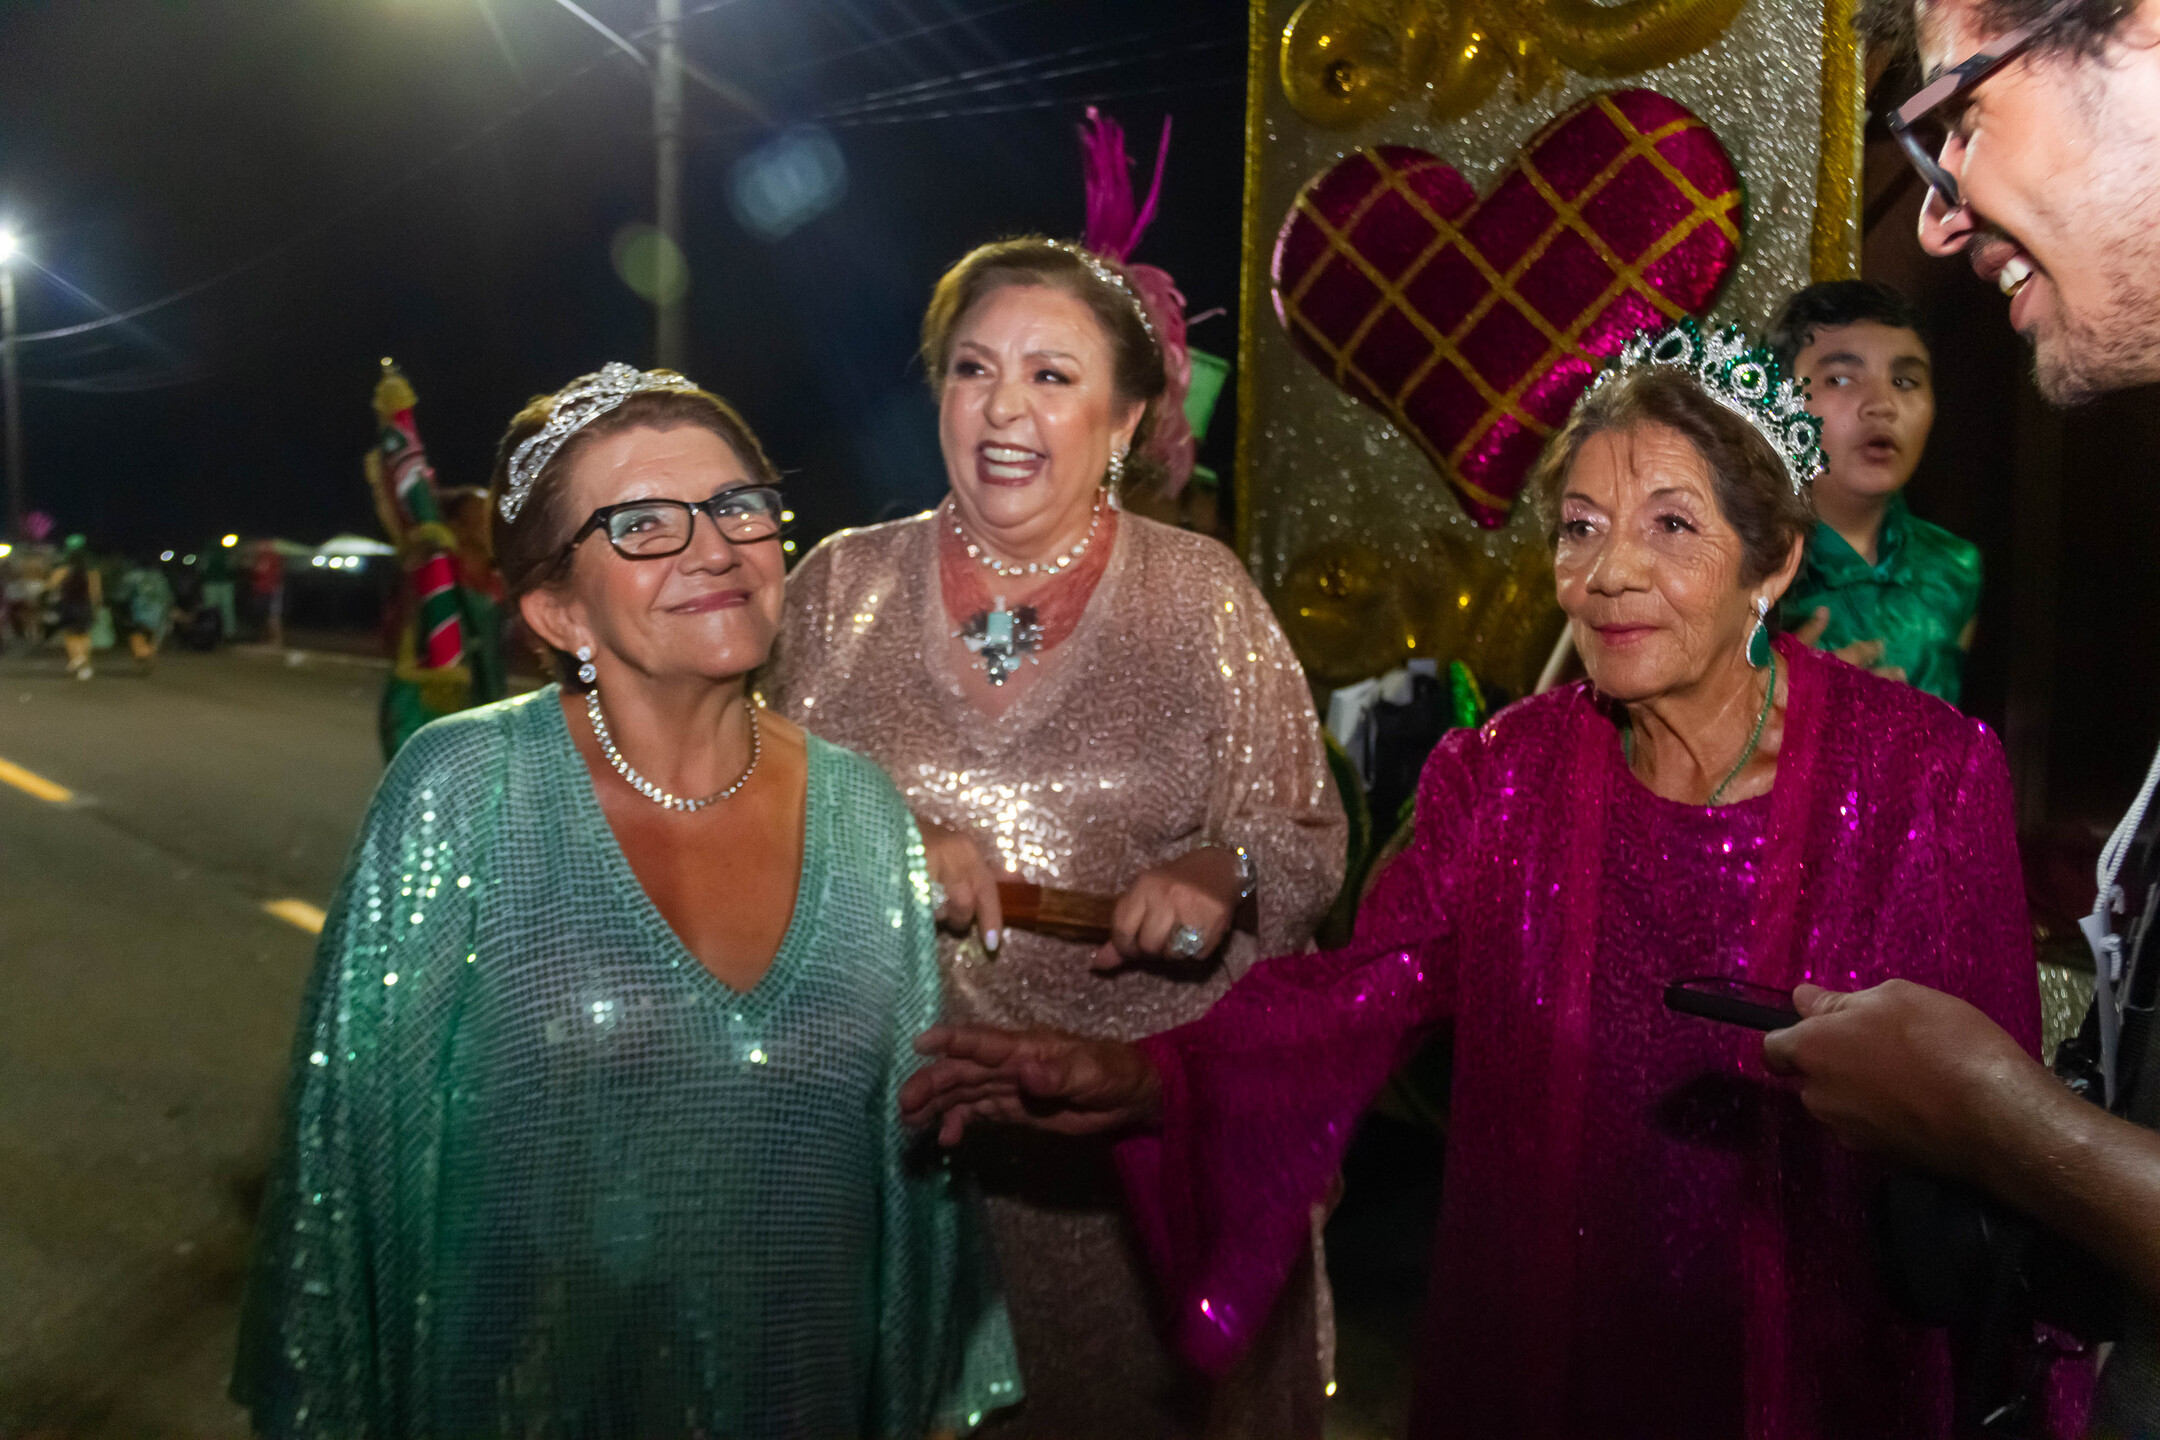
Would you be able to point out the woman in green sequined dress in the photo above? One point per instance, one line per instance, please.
(593, 1124)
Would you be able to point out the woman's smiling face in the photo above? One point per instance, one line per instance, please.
(1029, 415)
(710, 611)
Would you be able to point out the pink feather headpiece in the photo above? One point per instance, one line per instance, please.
(1114, 227)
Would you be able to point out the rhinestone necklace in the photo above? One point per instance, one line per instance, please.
(1761, 716)
(1056, 566)
(646, 787)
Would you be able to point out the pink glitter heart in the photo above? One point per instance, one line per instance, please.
(1474, 325)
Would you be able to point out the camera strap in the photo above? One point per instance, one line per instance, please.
(2107, 949)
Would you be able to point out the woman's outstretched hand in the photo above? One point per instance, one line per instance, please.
(1042, 1078)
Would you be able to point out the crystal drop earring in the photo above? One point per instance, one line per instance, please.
(587, 672)
(1115, 480)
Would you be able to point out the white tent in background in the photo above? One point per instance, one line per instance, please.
(348, 552)
(354, 545)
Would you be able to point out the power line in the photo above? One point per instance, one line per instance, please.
(614, 39)
(334, 219)
(935, 92)
(888, 41)
(1048, 102)
(1002, 67)
(859, 112)
(338, 217)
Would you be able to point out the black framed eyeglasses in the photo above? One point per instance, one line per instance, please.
(1922, 125)
(656, 529)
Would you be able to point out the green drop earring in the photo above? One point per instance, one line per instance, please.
(1758, 640)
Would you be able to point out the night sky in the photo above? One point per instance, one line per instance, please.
(446, 190)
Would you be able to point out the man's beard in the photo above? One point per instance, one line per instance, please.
(2086, 360)
(2119, 347)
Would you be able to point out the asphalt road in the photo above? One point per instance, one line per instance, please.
(146, 1005)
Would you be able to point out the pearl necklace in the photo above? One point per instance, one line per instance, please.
(646, 787)
(1055, 566)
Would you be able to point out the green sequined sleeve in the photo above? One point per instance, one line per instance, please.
(952, 1358)
(338, 1304)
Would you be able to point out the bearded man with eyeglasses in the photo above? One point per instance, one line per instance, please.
(2038, 133)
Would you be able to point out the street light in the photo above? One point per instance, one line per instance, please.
(229, 541)
(11, 382)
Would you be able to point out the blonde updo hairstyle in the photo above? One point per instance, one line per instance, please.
(1137, 373)
(528, 550)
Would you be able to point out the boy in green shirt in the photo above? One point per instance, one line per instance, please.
(1880, 586)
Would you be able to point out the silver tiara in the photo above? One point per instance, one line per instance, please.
(1109, 277)
(577, 405)
(1746, 379)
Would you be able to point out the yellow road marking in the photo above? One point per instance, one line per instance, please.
(31, 784)
(297, 912)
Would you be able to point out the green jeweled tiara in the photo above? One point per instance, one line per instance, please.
(1746, 379)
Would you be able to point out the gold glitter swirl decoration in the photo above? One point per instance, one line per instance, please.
(1348, 61)
(1350, 612)
(1342, 609)
(1497, 613)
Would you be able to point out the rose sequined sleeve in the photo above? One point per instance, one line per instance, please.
(1261, 1094)
(799, 654)
(1274, 794)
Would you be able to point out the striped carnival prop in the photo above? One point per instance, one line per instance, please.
(404, 485)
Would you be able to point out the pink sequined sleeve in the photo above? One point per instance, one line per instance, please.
(1274, 794)
(800, 650)
(1261, 1094)
(1987, 950)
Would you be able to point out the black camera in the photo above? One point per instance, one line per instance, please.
(1955, 1257)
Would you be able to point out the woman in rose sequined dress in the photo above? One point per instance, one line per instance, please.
(1075, 696)
(1642, 1235)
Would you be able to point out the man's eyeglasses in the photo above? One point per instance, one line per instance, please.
(1922, 125)
(656, 529)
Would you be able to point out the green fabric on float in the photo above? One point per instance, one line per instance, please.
(543, 1174)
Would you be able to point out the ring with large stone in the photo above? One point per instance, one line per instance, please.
(1185, 943)
(937, 897)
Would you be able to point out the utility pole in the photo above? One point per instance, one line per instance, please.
(11, 385)
(669, 329)
(671, 272)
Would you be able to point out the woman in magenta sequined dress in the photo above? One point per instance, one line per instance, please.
(1642, 1233)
